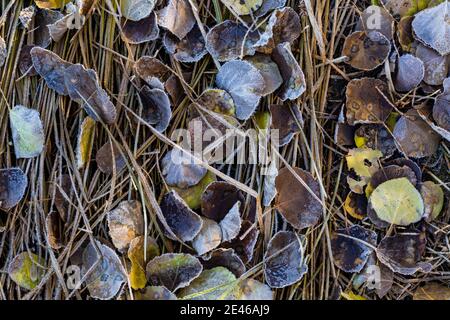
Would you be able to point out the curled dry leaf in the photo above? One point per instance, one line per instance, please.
(377, 18)
(43, 18)
(173, 270)
(283, 260)
(209, 237)
(218, 200)
(70, 21)
(431, 26)
(103, 270)
(244, 83)
(402, 253)
(226, 258)
(192, 195)
(298, 204)
(109, 158)
(27, 270)
(269, 190)
(432, 291)
(436, 66)
(294, 83)
(283, 26)
(352, 247)
(244, 7)
(410, 73)
(356, 205)
(27, 132)
(155, 293)
(398, 202)
(125, 223)
(55, 230)
(217, 100)
(50, 67)
(136, 10)
(152, 71)
(287, 120)
(213, 284)
(137, 32)
(51, 4)
(190, 49)
(414, 137)
(231, 223)
(433, 198)
(183, 222)
(269, 71)
(138, 246)
(83, 86)
(25, 63)
(3, 52)
(179, 169)
(85, 141)
(230, 40)
(244, 243)
(177, 17)
(366, 101)
(366, 50)
(13, 183)
(156, 107)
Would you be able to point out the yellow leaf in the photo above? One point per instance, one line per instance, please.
(352, 296)
(51, 4)
(192, 195)
(356, 159)
(27, 270)
(85, 140)
(138, 279)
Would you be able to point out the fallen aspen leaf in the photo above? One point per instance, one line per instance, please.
(13, 183)
(27, 270)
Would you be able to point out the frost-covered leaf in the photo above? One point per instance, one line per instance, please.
(138, 246)
(298, 198)
(231, 223)
(244, 243)
(152, 71)
(224, 258)
(269, 5)
(351, 247)
(110, 159)
(209, 237)
(103, 270)
(183, 222)
(125, 223)
(155, 293)
(433, 198)
(436, 66)
(26, 16)
(251, 289)
(27, 269)
(83, 86)
(136, 10)
(137, 32)
(269, 71)
(177, 17)
(27, 132)
(287, 120)
(366, 50)
(42, 19)
(180, 170)
(85, 141)
(377, 18)
(432, 291)
(410, 73)
(156, 107)
(294, 83)
(217, 100)
(218, 200)
(173, 270)
(192, 195)
(284, 263)
(25, 63)
(190, 49)
(3, 52)
(244, 83)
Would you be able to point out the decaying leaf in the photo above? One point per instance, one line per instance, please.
(155, 293)
(432, 291)
(244, 243)
(283, 26)
(405, 8)
(27, 132)
(403, 252)
(109, 158)
(352, 247)
(244, 83)
(283, 260)
(224, 258)
(218, 199)
(231, 223)
(366, 50)
(136, 10)
(209, 237)
(192, 195)
(55, 230)
(356, 205)
(50, 67)
(85, 142)
(152, 71)
(410, 73)
(125, 223)
(173, 270)
(13, 183)
(156, 107)
(217, 100)
(377, 18)
(230, 40)
(269, 71)
(59, 28)
(83, 86)
(51, 4)
(390, 172)
(27, 269)
(42, 19)
(213, 284)
(287, 120)
(243, 7)
(183, 222)
(180, 170)
(177, 17)
(139, 253)
(431, 26)
(366, 101)
(298, 198)
(374, 275)
(190, 49)
(141, 31)
(3, 52)
(294, 83)
(433, 198)
(103, 270)
(436, 66)
(414, 137)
